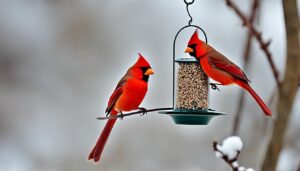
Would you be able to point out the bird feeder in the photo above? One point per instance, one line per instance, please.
(190, 90)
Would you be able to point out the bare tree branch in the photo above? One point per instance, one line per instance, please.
(264, 45)
(288, 90)
(247, 49)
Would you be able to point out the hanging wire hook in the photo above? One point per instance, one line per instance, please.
(187, 9)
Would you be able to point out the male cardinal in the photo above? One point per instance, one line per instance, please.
(127, 96)
(220, 68)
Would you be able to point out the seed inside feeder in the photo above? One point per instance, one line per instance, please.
(192, 87)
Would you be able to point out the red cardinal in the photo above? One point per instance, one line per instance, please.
(127, 96)
(220, 68)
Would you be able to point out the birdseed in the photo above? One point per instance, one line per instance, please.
(192, 87)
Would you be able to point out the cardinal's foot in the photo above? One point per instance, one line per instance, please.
(143, 110)
(214, 86)
(121, 116)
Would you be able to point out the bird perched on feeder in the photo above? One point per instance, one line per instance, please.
(220, 68)
(127, 96)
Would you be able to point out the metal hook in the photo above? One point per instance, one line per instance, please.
(189, 3)
(187, 9)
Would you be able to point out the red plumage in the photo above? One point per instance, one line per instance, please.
(127, 96)
(141, 62)
(221, 69)
(96, 152)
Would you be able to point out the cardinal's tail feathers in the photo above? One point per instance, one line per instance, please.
(96, 152)
(260, 102)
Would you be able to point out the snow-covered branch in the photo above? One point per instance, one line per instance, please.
(229, 151)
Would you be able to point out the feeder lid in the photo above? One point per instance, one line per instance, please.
(192, 117)
(186, 59)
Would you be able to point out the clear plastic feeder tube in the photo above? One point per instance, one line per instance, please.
(191, 91)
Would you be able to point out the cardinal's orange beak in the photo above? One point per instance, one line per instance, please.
(149, 72)
(188, 50)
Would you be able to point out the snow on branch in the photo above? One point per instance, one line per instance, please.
(229, 151)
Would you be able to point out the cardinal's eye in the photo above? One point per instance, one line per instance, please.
(192, 46)
(144, 69)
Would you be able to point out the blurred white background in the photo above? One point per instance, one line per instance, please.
(60, 60)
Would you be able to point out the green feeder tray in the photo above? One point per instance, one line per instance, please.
(192, 117)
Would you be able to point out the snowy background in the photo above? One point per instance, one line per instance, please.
(60, 61)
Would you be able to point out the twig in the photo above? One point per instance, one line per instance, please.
(142, 112)
(225, 157)
(258, 35)
(238, 115)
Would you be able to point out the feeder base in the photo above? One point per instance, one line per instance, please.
(192, 117)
